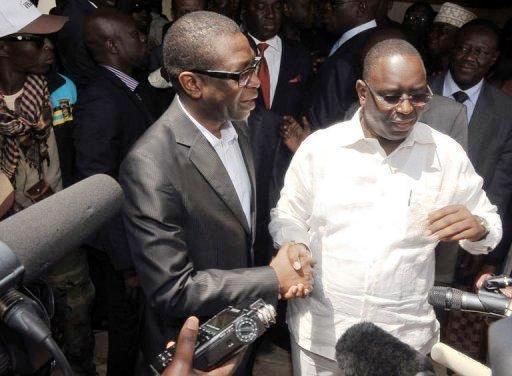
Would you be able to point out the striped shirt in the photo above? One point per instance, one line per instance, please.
(127, 80)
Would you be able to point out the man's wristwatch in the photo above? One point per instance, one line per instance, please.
(485, 225)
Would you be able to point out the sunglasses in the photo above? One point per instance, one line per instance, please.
(416, 99)
(243, 77)
(38, 40)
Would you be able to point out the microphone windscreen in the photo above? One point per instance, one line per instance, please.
(366, 349)
(43, 233)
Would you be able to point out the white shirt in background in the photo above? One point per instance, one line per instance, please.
(450, 87)
(273, 55)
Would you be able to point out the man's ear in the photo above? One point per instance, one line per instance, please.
(362, 92)
(191, 84)
(4, 49)
(111, 46)
(362, 8)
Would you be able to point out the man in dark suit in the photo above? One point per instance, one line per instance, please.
(189, 184)
(286, 64)
(333, 90)
(489, 111)
(110, 116)
(74, 57)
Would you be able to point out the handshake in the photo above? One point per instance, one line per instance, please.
(293, 265)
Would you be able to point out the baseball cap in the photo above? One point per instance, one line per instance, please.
(21, 16)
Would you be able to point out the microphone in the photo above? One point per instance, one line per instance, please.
(43, 233)
(497, 282)
(483, 302)
(458, 362)
(366, 349)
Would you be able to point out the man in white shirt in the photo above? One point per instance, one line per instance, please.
(333, 91)
(371, 198)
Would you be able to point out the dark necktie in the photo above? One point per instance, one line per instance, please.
(460, 96)
(264, 75)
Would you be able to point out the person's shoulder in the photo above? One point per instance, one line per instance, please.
(501, 101)
(446, 146)
(329, 137)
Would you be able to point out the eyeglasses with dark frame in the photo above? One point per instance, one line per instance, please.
(243, 77)
(417, 99)
(39, 40)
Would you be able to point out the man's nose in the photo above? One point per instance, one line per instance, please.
(270, 12)
(405, 107)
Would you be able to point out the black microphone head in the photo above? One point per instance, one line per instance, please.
(445, 297)
(367, 350)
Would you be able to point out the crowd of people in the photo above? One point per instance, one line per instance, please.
(316, 154)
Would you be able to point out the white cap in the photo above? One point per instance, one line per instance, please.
(21, 16)
(454, 14)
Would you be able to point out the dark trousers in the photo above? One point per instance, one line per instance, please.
(123, 315)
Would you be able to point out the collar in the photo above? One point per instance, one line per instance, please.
(353, 133)
(352, 33)
(129, 81)
(227, 132)
(450, 87)
(275, 42)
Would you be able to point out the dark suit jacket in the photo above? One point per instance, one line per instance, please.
(293, 80)
(109, 118)
(189, 238)
(334, 90)
(490, 142)
(294, 71)
(74, 56)
(265, 141)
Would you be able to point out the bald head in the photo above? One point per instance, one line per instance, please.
(388, 49)
(192, 41)
(100, 27)
(113, 39)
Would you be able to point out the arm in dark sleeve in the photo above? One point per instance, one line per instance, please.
(97, 145)
(154, 216)
(97, 142)
(333, 93)
(499, 192)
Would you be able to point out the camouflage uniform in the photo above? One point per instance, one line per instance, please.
(71, 324)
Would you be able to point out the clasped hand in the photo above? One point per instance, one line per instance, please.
(293, 265)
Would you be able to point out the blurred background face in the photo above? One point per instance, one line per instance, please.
(475, 52)
(130, 42)
(263, 18)
(300, 12)
(31, 57)
(418, 18)
(441, 38)
(182, 7)
(340, 15)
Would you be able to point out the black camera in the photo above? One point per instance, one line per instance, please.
(224, 335)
